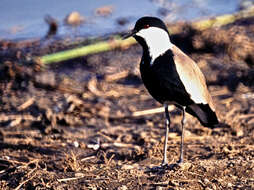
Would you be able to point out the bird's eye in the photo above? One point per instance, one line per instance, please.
(146, 26)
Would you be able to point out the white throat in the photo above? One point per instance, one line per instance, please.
(157, 40)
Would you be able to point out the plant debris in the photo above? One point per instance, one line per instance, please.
(89, 123)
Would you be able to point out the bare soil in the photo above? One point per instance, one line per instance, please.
(75, 125)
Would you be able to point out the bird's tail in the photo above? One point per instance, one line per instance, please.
(204, 113)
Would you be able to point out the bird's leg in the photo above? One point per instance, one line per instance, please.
(182, 138)
(167, 125)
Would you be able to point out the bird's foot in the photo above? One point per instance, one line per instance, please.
(165, 166)
(158, 169)
(180, 161)
(172, 166)
(164, 163)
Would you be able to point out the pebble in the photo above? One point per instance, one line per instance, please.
(76, 144)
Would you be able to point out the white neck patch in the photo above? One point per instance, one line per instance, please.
(157, 40)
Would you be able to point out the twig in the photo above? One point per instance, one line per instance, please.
(246, 116)
(116, 76)
(231, 112)
(17, 119)
(15, 122)
(24, 182)
(26, 104)
(75, 178)
(223, 91)
(110, 159)
(151, 111)
(120, 145)
(68, 179)
(251, 121)
(92, 87)
(105, 136)
(88, 158)
(4, 117)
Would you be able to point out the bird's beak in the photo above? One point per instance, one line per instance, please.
(129, 34)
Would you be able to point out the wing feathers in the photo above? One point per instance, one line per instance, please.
(192, 78)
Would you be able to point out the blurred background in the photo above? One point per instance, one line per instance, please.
(25, 19)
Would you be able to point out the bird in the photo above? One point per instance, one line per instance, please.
(172, 77)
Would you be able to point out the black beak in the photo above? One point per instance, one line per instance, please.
(129, 34)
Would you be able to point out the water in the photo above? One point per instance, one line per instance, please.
(25, 19)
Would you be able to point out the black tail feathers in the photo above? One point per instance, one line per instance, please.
(205, 115)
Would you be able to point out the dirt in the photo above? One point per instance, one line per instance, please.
(75, 124)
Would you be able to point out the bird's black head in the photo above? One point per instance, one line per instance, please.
(152, 34)
(145, 23)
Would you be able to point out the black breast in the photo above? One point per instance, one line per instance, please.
(162, 80)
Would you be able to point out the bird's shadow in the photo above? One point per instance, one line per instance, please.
(160, 170)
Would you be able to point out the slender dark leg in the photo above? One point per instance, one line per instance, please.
(182, 138)
(167, 125)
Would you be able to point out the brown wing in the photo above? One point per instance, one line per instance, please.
(192, 78)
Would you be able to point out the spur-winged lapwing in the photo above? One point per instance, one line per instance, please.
(172, 77)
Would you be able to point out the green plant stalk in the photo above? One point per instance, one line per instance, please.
(83, 51)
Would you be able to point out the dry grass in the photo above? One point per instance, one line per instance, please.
(107, 132)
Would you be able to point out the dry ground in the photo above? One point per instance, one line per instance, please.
(76, 124)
